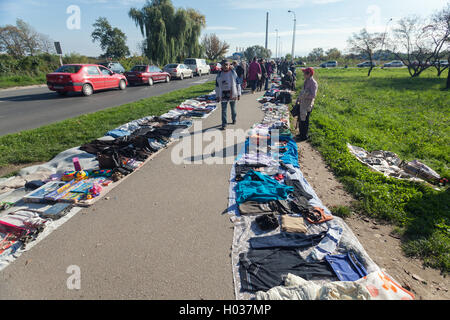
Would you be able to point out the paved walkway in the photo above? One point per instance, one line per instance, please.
(161, 235)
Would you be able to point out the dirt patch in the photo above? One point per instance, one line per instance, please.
(375, 236)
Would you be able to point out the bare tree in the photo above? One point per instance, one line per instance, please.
(214, 48)
(21, 40)
(441, 33)
(29, 37)
(416, 43)
(46, 44)
(11, 41)
(365, 43)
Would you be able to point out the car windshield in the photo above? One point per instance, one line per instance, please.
(190, 61)
(171, 66)
(139, 68)
(68, 69)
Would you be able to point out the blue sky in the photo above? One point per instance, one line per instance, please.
(320, 23)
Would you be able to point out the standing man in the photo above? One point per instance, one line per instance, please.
(262, 79)
(254, 73)
(269, 70)
(228, 89)
(240, 73)
(306, 100)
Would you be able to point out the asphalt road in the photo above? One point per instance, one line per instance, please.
(23, 109)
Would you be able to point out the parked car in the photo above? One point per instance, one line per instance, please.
(329, 64)
(178, 70)
(198, 66)
(215, 67)
(442, 63)
(84, 78)
(141, 74)
(114, 66)
(366, 64)
(416, 63)
(301, 64)
(394, 64)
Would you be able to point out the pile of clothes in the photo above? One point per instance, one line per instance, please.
(390, 164)
(287, 244)
(42, 197)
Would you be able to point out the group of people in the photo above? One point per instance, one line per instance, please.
(231, 81)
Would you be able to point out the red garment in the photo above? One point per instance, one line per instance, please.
(253, 70)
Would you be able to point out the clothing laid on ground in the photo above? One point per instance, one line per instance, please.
(374, 286)
(286, 240)
(264, 269)
(297, 288)
(293, 224)
(346, 266)
(328, 244)
(267, 222)
(261, 188)
(299, 191)
(253, 207)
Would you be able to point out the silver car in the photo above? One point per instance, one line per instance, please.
(178, 70)
(394, 64)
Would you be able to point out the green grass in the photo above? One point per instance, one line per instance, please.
(22, 80)
(390, 111)
(42, 144)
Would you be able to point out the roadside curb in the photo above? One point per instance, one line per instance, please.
(24, 87)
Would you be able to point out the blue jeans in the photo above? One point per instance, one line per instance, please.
(224, 111)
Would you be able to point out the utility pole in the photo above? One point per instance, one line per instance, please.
(276, 47)
(267, 29)
(293, 38)
(382, 43)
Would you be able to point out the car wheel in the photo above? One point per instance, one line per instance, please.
(150, 81)
(122, 84)
(167, 79)
(181, 76)
(87, 90)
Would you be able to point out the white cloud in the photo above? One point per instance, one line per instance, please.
(275, 4)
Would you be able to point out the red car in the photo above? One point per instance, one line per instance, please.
(146, 74)
(215, 67)
(84, 78)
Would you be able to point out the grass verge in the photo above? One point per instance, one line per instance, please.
(42, 144)
(389, 111)
(19, 81)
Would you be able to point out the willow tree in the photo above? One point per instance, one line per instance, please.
(170, 34)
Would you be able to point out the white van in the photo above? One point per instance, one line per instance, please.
(198, 66)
